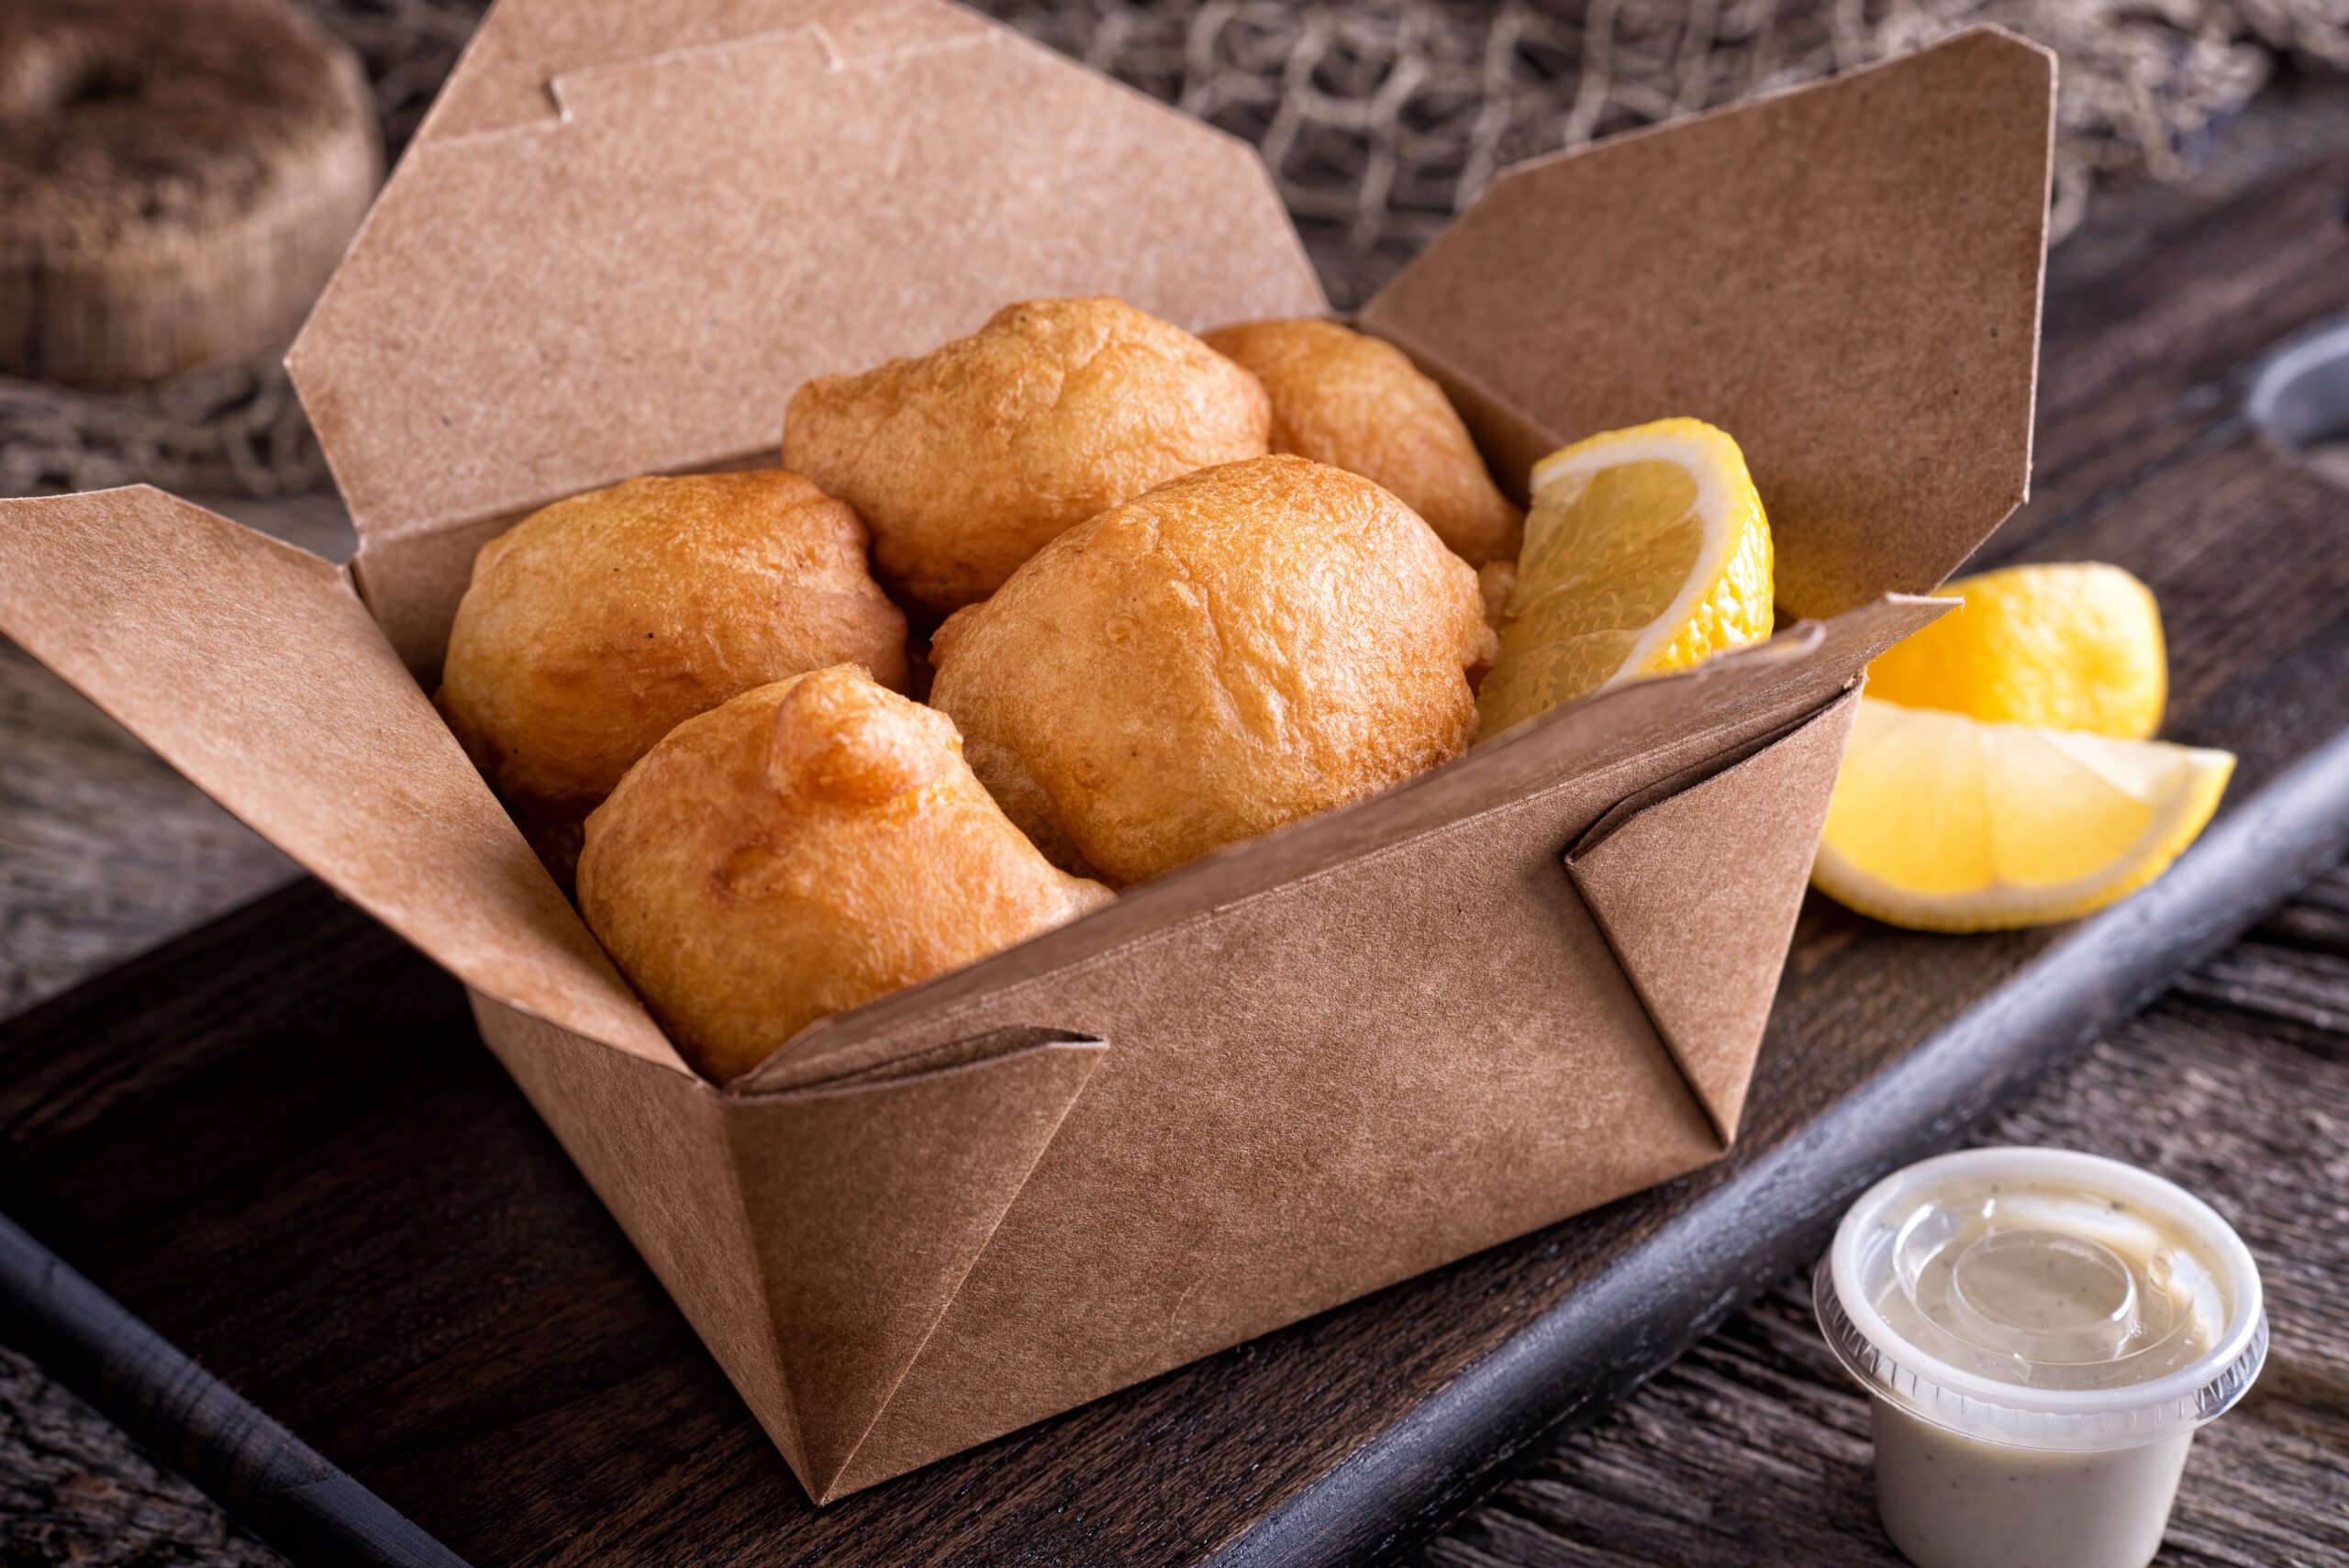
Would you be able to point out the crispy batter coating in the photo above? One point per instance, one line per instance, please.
(1359, 404)
(1496, 580)
(1236, 649)
(966, 461)
(807, 847)
(593, 626)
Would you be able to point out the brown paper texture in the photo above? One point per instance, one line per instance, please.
(251, 667)
(813, 1238)
(631, 267)
(1302, 1069)
(1844, 277)
(1704, 951)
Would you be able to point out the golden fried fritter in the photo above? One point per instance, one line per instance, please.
(593, 626)
(808, 846)
(1236, 649)
(1359, 404)
(966, 461)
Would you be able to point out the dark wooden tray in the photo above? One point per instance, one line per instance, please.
(279, 1142)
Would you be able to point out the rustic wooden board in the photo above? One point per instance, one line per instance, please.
(190, 1420)
(74, 1488)
(279, 1142)
(2237, 1086)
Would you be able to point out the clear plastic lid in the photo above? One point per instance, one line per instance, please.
(2044, 1299)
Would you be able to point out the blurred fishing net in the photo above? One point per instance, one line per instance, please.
(1379, 119)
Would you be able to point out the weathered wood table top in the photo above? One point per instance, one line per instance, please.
(279, 1142)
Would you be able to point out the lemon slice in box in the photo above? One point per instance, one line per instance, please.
(1942, 822)
(1645, 552)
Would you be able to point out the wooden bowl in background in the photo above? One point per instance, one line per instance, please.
(177, 180)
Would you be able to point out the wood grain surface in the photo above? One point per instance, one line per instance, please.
(281, 1143)
(1755, 1446)
(293, 1497)
(74, 1489)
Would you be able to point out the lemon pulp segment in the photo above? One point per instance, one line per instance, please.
(2072, 646)
(1945, 823)
(1645, 552)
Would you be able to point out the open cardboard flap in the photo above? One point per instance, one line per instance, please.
(1844, 277)
(696, 208)
(1302, 1069)
(252, 668)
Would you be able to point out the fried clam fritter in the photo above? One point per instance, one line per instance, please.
(807, 847)
(966, 461)
(1235, 650)
(1359, 404)
(593, 626)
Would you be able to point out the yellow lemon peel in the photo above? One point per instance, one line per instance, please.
(1646, 551)
(2072, 646)
(1944, 823)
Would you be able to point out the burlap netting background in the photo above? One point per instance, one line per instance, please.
(1380, 120)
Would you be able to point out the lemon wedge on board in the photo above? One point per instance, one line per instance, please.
(2075, 646)
(1645, 552)
(1944, 823)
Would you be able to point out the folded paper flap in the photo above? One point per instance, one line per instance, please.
(1797, 641)
(1697, 888)
(1463, 1059)
(1727, 702)
(643, 286)
(652, 1144)
(869, 1200)
(656, 85)
(502, 83)
(1845, 277)
(1686, 779)
(952, 1056)
(251, 668)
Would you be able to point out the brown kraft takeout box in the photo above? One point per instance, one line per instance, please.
(1302, 1069)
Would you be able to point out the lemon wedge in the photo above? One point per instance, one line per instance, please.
(1645, 552)
(2077, 646)
(1944, 823)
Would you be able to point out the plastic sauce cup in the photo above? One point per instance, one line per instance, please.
(2040, 1333)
